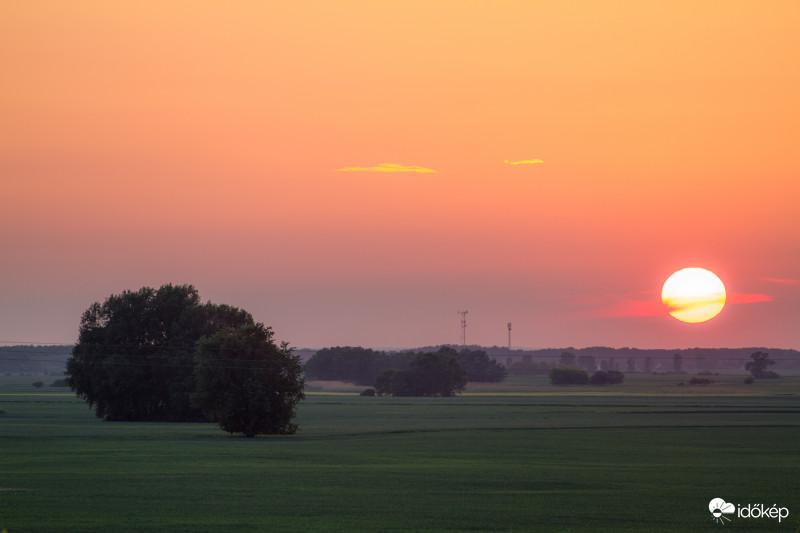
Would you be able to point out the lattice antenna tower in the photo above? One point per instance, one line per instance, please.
(463, 327)
(509, 338)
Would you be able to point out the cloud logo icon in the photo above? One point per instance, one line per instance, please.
(719, 507)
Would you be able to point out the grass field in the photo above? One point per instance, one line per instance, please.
(647, 455)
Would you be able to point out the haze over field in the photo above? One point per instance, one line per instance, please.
(355, 172)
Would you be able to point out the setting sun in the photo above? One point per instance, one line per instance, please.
(693, 295)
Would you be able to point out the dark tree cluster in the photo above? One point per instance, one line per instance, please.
(607, 377)
(480, 367)
(363, 365)
(136, 359)
(568, 376)
(354, 364)
(577, 376)
(428, 374)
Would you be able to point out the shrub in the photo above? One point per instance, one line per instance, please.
(599, 378)
(701, 381)
(38, 384)
(368, 392)
(60, 383)
(610, 377)
(749, 380)
(568, 376)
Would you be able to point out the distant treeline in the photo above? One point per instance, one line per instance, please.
(362, 365)
(640, 360)
(34, 360)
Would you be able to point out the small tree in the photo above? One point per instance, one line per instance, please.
(246, 383)
(758, 366)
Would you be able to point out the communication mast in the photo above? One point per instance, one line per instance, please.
(463, 327)
(509, 338)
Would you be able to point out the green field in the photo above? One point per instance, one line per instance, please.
(647, 455)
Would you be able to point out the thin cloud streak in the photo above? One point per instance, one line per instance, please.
(614, 306)
(523, 162)
(736, 298)
(781, 281)
(389, 167)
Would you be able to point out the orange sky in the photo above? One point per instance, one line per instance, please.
(202, 142)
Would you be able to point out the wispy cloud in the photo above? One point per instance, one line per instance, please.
(743, 298)
(523, 162)
(615, 306)
(782, 281)
(649, 304)
(388, 167)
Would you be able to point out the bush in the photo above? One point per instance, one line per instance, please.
(368, 392)
(610, 377)
(701, 381)
(749, 380)
(38, 384)
(60, 383)
(568, 376)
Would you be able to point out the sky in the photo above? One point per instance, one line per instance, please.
(357, 172)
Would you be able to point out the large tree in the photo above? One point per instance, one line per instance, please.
(247, 383)
(134, 358)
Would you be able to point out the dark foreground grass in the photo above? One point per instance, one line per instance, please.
(549, 463)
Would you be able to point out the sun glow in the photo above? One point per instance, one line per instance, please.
(693, 295)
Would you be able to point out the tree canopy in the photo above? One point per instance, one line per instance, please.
(134, 359)
(247, 383)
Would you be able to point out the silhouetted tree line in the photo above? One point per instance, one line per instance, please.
(592, 359)
(30, 359)
(362, 365)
